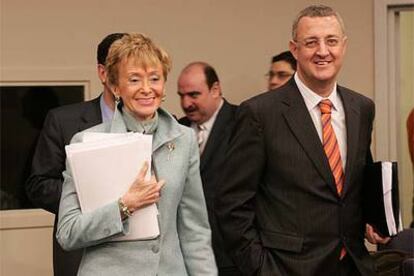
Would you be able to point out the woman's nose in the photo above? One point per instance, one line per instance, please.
(146, 87)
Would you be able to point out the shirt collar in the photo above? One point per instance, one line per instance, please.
(210, 122)
(312, 99)
(106, 112)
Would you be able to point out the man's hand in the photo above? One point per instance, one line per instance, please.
(373, 237)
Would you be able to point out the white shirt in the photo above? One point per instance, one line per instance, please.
(337, 116)
(106, 112)
(208, 125)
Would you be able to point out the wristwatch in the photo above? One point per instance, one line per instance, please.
(123, 209)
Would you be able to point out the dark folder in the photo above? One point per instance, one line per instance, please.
(381, 198)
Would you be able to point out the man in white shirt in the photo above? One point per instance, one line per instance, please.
(212, 119)
(290, 201)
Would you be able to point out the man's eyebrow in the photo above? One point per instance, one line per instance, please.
(188, 93)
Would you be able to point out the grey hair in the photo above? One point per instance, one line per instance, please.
(316, 11)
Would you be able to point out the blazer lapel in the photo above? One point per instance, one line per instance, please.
(218, 130)
(91, 114)
(302, 126)
(352, 122)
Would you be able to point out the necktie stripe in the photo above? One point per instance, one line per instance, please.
(330, 144)
(336, 161)
(325, 121)
(337, 173)
(331, 148)
(327, 135)
(201, 137)
(334, 157)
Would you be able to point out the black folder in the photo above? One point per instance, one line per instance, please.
(381, 198)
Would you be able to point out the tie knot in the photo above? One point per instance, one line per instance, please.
(325, 106)
(201, 127)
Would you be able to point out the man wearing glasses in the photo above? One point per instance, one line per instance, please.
(281, 69)
(290, 199)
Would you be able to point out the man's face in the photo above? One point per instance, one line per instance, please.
(319, 49)
(279, 73)
(197, 101)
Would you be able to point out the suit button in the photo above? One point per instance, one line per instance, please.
(155, 248)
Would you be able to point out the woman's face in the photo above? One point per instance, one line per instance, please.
(141, 89)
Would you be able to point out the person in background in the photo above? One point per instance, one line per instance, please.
(137, 70)
(281, 69)
(212, 118)
(290, 198)
(44, 185)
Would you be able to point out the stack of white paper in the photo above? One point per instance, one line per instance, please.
(387, 186)
(381, 198)
(104, 166)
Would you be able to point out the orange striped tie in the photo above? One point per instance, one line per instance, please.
(331, 147)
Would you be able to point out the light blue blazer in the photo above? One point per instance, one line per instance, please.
(184, 244)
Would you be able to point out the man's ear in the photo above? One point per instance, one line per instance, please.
(345, 41)
(216, 89)
(293, 48)
(101, 73)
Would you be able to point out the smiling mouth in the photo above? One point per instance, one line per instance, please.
(145, 101)
(322, 62)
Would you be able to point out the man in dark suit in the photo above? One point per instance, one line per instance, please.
(44, 184)
(290, 199)
(212, 118)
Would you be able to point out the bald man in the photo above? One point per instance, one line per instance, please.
(212, 119)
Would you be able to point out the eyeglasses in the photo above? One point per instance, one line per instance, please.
(280, 75)
(314, 42)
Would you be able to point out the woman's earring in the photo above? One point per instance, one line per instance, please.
(163, 98)
(117, 99)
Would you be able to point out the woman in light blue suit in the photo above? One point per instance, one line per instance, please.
(137, 70)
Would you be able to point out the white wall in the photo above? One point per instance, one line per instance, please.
(57, 39)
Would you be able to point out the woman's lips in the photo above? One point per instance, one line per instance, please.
(145, 101)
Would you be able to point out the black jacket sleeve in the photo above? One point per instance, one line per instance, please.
(44, 185)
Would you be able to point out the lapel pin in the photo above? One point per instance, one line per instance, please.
(170, 147)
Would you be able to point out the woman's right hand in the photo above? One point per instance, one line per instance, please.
(142, 193)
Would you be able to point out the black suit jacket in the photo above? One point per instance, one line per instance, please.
(277, 203)
(44, 185)
(211, 164)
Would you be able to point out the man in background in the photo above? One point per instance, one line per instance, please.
(281, 69)
(44, 185)
(290, 200)
(212, 119)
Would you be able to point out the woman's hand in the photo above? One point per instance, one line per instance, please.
(142, 193)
